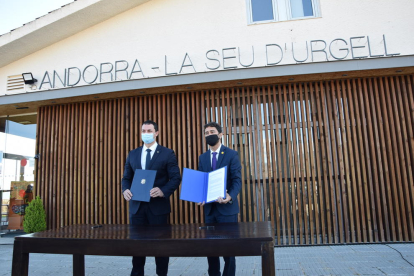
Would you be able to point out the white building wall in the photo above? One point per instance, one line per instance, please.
(165, 29)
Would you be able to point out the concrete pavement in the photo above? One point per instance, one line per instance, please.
(363, 259)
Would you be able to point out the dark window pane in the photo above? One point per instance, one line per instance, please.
(307, 7)
(262, 10)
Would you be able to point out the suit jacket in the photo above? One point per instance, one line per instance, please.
(168, 177)
(230, 158)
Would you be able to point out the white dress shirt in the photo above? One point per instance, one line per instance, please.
(144, 153)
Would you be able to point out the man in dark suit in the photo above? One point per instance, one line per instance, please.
(224, 209)
(151, 156)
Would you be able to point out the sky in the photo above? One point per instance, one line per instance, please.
(15, 13)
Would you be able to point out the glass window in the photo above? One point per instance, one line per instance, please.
(17, 150)
(301, 8)
(262, 10)
(281, 10)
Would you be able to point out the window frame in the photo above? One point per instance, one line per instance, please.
(277, 14)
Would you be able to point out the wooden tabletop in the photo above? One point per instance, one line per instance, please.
(224, 231)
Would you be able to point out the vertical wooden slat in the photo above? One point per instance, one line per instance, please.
(47, 172)
(312, 178)
(303, 162)
(336, 147)
(111, 165)
(246, 128)
(203, 144)
(273, 178)
(255, 125)
(251, 156)
(305, 133)
(107, 185)
(372, 166)
(389, 84)
(60, 159)
(350, 165)
(287, 152)
(330, 182)
(267, 138)
(324, 159)
(403, 148)
(101, 184)
(197, 132)
(383, 123)
(295, 174)
(380, 192)
(261, 168)
(65, 176)
(88, 165)
(349, 228)
(361, 169)
(317, 124)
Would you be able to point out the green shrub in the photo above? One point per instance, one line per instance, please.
(35, 217)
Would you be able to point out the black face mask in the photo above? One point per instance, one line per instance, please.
(212, 139)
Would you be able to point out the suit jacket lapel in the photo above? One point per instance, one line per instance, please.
(155, 156)
(221, 156)
(207, 161)
(139, 158)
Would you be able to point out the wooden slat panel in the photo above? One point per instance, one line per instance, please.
(326, 162)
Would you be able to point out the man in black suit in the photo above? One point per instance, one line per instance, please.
(224, 209)
(151, 156)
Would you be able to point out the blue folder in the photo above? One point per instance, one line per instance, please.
(142, 184)
(195, 184)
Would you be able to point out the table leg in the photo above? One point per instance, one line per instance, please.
(78, 265)
(268, 259)
(20, 264)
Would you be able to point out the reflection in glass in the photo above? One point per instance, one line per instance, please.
(301, 8)
(17, 150)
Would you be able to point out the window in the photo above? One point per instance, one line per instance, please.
(260, 11)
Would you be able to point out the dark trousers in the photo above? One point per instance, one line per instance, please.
(144, 216)
(214, 262)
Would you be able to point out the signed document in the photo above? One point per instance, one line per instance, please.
(142, 184)
(203, 186)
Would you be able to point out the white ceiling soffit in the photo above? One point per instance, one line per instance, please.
(59, 24)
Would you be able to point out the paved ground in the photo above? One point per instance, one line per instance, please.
(366, 259)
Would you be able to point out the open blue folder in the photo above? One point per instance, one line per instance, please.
(142, 184)
(195, 185)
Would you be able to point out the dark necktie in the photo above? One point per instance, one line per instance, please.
(148, 159)
(214, 161)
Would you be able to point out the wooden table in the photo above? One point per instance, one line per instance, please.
(226, 239)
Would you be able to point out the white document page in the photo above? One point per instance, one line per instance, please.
(216, 183)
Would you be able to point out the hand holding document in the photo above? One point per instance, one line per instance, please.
(142, 184)
(202, 186)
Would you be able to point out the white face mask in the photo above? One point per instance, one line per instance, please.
(147, 138)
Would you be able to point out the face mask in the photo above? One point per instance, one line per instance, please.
(212, 139)
(147, 138)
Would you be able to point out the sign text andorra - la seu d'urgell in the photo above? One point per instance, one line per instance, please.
(231, 58)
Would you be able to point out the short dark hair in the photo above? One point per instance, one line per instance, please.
(149, 122)
(213, 124)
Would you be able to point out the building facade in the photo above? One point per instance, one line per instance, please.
(315, 95)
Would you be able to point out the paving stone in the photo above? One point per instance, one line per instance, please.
(374, 259)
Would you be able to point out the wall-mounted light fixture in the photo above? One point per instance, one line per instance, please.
(28, 78)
